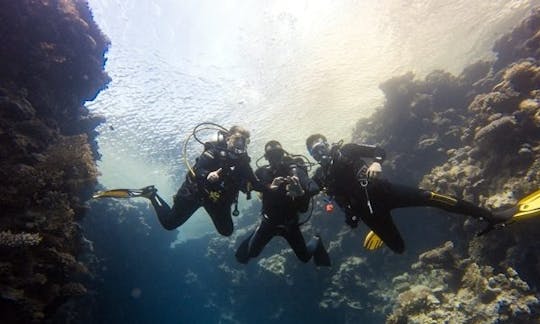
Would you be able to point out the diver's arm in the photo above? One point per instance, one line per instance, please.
(358, 151)
(263, 180)
(245, 176)
(310, 187)
(205, 164)
(317, 178)
(253, 180)
(351, 218)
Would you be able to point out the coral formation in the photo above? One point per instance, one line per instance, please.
(8, 239)
(274, 264)
(54, 56)
(466, 292)
(484, 147)
(474, 135)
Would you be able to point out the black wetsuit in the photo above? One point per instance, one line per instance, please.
(280, 212)
(217, 197)
(345, 180)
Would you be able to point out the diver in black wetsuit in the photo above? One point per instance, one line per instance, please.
(356, 188)
(220, 172)
(287, 191)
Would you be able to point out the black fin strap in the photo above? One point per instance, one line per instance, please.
(491, 227)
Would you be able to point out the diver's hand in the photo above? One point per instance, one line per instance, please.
(278, 181)
(374, 170)
(213, 176)
(293, 187)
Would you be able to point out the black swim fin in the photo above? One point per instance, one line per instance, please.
(526, 208)
(146, 192)
(320, 255)
(242, 253)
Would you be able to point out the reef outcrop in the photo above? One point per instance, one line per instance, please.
(52, 56)
(475, 136)
(445, 287)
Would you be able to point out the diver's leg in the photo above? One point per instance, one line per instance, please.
(381, 223)
(398, 196)
(294, 237)
(263, 234)
(185, 204)
(373, 205)
(220, 213)
(242, 252)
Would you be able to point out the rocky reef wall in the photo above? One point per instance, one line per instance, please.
(475, 136)
(52, 56)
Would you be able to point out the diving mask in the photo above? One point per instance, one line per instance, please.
(320, 151)
(273, 152)
(238, 144)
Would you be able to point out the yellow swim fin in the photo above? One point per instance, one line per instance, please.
(126, 193)
(372, 241)
(528, 207)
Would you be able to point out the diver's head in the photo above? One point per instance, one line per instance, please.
(273, 152)
(318, 148)
(237, 140)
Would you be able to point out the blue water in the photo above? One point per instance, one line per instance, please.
(284, 70)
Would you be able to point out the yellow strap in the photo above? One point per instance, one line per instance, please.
(443, 199)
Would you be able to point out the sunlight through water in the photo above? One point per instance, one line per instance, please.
(284, 69)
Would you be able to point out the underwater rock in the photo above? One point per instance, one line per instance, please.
(485, 148)
(73, 289)
(523, 76)
(54, 57)
(428, 129)
(274, 264)
(442, 257)
(522, 42)
(7, 239)
(348, 284)
(498, 127)
(480, 295)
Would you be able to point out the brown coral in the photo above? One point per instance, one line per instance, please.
(8, 239)
(55, 55)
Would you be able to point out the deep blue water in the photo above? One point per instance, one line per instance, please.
(285, 71)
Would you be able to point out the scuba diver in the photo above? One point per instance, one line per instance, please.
(220, 172)
(287, 191)
(359, 191)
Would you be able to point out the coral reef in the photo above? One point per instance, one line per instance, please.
(474, 135)
(477, 137)
(461, 293)
(54, 56)
(274, 264)
(347, 276)
(8, 239)
(505, 140)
